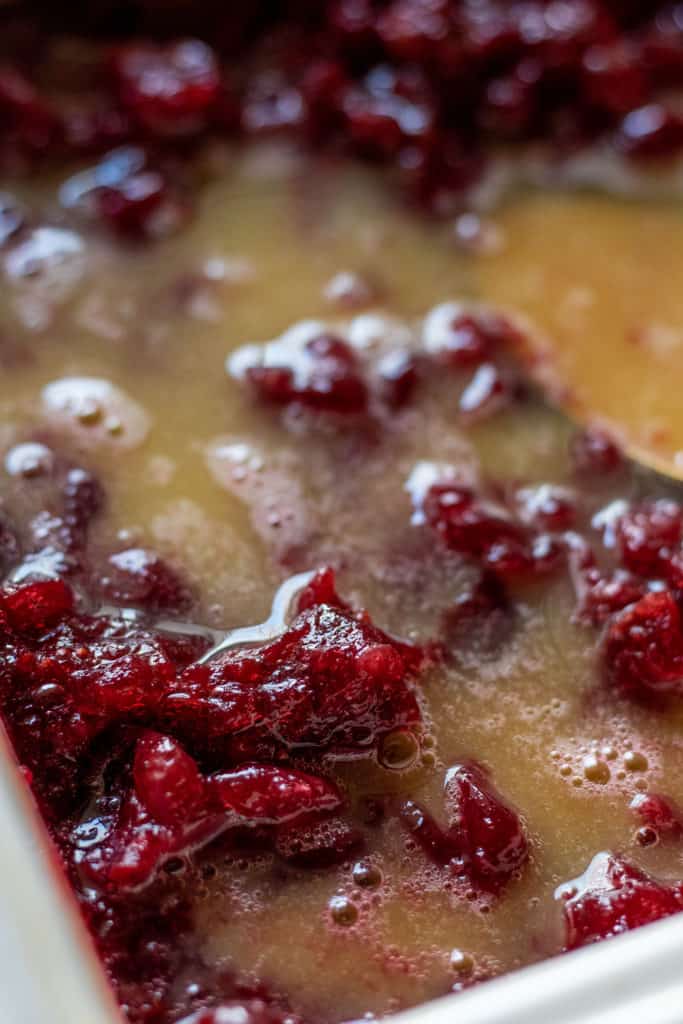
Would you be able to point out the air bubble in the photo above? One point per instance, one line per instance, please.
(399, 750)
(342, 911)
(634, 761)
(461, 962)
(367, 875)
(595, 770)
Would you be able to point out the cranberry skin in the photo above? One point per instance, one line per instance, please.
(168, 89)
(613, 79)
(492, 840)
(25, 115)
(131, 207)
(486, 531)
(321, 590)
(467, 523)
(326, 377)
(268, 795)
(659, 813)
(332, 681)
(167, 780)
(468, 340)
(437, 843)
(414, 31)
(594, 453)
(647, 536)
(140, 577)
(83, 498)
(611, 897)
(547, 507)
(601, 596)
(643, 648)
(38, 607)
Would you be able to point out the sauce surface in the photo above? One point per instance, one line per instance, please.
(238, 496)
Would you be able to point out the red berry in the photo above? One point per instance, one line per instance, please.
(648, 535)
(643, 648)
(437, 842)
(134, 208)
(169, 89)
(611, 897)
(38, 607)
(323, 373)
(167, 780)
(139, 577)
(594, 453)
(613, 78)
(492, 840)
(268, 795)
(659, 813)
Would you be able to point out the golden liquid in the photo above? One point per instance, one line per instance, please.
(303, 497)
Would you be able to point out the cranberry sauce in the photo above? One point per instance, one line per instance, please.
(427, 87)
(456, 751)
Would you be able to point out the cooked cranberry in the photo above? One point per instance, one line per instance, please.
(169, 89)
(613, 78)
(463, 339)
(83, 498)
(509, 106)
(437, 842)
(658, 813)
(139, 577)
(600, 596)
(648, 535)
(167, 779)
(547, 506)
(270, 795)
(486, 531)
(322, 374)
(333, 680)
(594, 453)
(24, 114)
(134, 208)
(321, 590)
(37, 607)
(643, 648)
(390, 110)
(651, 131)
(354, 22)
(491, 837)
(611, 897)
(414, 31)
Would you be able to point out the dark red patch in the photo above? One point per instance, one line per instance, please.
(611, 897)
(643, 648)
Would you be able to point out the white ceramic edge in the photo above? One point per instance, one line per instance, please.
(48, 971)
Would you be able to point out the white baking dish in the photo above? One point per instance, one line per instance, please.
(49, 973)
